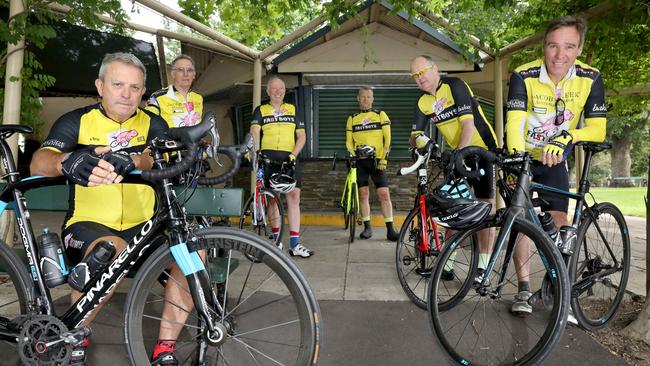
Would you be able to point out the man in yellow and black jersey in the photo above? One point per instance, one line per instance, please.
(371, 127)
(177, 103)
(95, 147)
(448, 103)
(546, 100)
(280, 135)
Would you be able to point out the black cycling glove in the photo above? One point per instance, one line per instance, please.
(78, 165)
(121, 161)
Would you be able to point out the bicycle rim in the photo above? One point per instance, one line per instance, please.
(269, 210)
(481, 330)
(352, 216)
(14, 297)
(271, 315)
(600, 267)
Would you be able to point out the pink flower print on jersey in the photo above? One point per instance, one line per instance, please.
(279, 112)
(191, 118)
(366, 120)
(549, 124)
(439, 105)
(122, 139)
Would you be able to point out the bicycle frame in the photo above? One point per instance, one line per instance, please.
(348, 193)
(170, 218)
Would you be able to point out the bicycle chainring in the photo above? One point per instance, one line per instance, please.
(34, 336)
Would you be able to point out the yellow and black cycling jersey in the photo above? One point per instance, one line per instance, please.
(118, 206)
(174, 109)
(371, 128)
(532, 118)
(278, 126)
(453, 103)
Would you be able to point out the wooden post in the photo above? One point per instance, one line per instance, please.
(498, 113)
(161, 60)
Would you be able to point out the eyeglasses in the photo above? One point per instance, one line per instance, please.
(421, 72)
(559, 111)
(183, 70)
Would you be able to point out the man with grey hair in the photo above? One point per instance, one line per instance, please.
(371, 127)
(95, 147)
(177, 103)
(546, 99)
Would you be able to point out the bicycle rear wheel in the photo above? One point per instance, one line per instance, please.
(480, 329)
(600, 266)
(414, 267)
(354, 211)
(270, 210)
(14, 299)
(271, 317)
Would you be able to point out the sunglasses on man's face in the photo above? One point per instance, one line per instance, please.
(559, 111)
(419, 73)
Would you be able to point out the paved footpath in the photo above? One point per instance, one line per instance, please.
(367, 318)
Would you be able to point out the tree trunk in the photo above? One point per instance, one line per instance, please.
(640, 327)
(621, 161)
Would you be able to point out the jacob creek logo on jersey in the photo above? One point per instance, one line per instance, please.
(439, 105)
(279, 112)
(121, 139)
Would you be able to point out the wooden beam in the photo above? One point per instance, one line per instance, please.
(210, 45)
(162, 62)
(474, 41)
(199, 27)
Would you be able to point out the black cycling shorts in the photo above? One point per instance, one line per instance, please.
(484, 185)
(368, 168)
(78, 236)
(556, 176)
(278, 157)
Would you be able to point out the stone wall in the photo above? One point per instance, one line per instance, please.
(322, 187)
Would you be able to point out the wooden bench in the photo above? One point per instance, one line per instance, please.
(628, 182)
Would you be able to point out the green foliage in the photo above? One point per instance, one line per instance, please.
(34, 25)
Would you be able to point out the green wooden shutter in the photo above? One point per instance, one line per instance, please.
(333, 106)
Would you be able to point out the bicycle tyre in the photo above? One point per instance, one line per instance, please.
(593, 255)
(354, 212)
(475, 331)
(287, 331)
(413, 266)
(15, 296)
(344, 207)
(263, 229)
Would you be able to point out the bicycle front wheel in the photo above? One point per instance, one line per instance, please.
(14, 298)
(352, 215)
(480, 329)
(600, 266)
(260, 221)
(414, 266)
(271, 315)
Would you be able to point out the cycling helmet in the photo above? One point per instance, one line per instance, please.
(457, 213)
(282, 183)
(365, 151)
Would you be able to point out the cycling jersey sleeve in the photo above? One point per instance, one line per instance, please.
(421, 120)
(385, 129)
(595, 111)
(300, 124)
(349, 141)
(157, 128)
(462, 98)
(64, 135)
(516, 113)
(257, 117)
(152, 105)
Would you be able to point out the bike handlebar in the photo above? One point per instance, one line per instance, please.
(234, 152)
(422, 154)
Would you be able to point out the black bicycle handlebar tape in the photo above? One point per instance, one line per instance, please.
(461, 154)
(235, 153)
(186, 162)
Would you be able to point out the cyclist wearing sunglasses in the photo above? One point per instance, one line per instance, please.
(449, 104)
(545, 102)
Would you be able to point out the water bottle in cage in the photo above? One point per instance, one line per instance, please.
(53, 261)
(548, 225)
(566, 239)
(92, 264)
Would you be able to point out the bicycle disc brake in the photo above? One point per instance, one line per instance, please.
(41, 344)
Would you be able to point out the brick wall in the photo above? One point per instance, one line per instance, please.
(322, 187)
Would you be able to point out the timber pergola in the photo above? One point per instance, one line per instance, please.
(234, 50)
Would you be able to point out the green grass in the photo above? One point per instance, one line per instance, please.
(629, 200)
